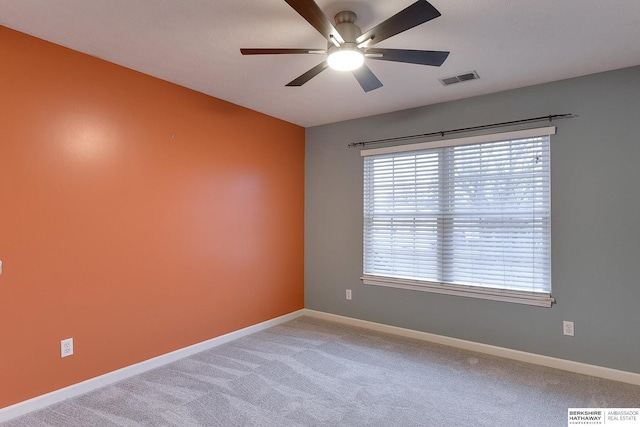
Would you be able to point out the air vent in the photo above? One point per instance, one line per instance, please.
(471, 75)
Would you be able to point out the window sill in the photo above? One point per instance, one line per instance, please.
(518, 297)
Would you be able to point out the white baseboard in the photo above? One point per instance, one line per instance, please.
(83, 387)
(537, 359)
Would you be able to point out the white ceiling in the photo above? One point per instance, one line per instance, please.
(196, 44)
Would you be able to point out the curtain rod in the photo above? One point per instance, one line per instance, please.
(442, 133)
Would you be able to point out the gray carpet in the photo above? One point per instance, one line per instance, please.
(310, 372)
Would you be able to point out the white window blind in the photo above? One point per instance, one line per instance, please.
(468, 217)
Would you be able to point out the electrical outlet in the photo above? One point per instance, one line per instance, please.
(348, 294)
(567, 327)
(66, 347)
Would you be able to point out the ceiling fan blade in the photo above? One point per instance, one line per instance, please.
(422, 57)
(268, 51)
(416, 14)
(310, 11)
(309, 74)
(366, 78)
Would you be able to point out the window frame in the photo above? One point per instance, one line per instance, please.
(542, 299)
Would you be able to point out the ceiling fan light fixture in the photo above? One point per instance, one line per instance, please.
(347, 45)
(345, 59)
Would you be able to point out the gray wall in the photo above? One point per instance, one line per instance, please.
(595, 223)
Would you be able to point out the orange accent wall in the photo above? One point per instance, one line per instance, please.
(136, 216)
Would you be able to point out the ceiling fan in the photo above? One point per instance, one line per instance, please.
(348, 46)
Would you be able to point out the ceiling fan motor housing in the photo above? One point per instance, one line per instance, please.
(345, 24)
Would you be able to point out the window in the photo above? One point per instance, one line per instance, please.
(470, 217)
